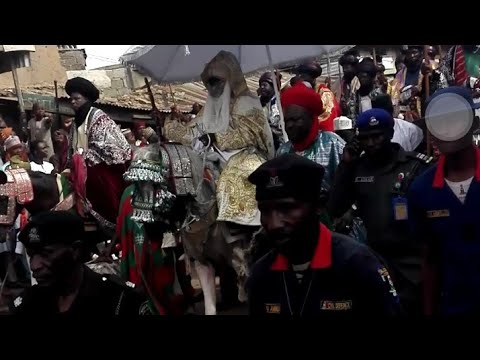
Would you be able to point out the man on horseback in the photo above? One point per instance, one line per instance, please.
(102, 146)
(237, 129)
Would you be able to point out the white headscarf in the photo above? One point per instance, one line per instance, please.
(216, 116)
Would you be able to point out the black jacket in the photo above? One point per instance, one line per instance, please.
(99, 295)
(344, 277)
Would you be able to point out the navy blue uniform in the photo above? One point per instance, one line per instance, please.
(374, 191)
(344, 277)
(102, 295)
(451, 231)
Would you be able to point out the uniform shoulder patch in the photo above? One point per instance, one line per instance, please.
(425, 159)
(18, 301)
(144, 309)
(385, 276)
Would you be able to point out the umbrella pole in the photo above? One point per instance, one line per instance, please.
(277, 93)
(173, 95)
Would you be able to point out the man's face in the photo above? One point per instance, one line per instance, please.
(266, 90)
(286, 220)
(52, 264)
(40, 113)
(58, 137)
(42, 150)
(139, 130)
(77, 100)
(130, 138)
(215, 86)
(196, 108)
(374, 141)
(16, 150)
(67, 123)
(308, 77)
(366, 80)
(413, 57)
(349, 67)
(452, 147)
(298, 122)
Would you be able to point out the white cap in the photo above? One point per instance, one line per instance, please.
(342, 123)
(449, 116)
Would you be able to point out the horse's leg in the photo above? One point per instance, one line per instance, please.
(241, 236)
(206, 274)
(240, 266)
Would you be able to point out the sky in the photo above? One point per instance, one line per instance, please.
(103, 55)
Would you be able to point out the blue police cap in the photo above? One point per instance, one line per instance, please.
(375, 119)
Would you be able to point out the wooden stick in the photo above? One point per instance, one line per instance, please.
(427, 94)
(173, 95)
(155, 111)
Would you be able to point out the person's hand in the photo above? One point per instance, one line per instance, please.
(351, 151)
(415, 91)
(206, 139)
(426, 69)
(343, 225)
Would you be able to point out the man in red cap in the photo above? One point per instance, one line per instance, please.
(302, 106)
(309, 72)
(138, 131)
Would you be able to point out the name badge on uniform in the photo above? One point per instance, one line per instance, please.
(336, 305)
(400, 208)
(364, 179)
(273, 308)
(438, 213)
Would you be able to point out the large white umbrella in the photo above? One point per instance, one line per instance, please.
(185, 63)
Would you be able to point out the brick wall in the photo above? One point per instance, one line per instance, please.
(73, 59)
(45, 68)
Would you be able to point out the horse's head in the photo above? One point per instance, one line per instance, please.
(169, 186)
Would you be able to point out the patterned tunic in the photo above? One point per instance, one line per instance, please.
(326, 151)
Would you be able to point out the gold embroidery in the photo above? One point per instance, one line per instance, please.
(245, 130)
(177, 132)
(273, 308)
(235, 194)
(336, 305)
(328, 104)
(438, 213)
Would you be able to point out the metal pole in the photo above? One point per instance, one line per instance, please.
(18, 90)
(277, 92)
(328, 66)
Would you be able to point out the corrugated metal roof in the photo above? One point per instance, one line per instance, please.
(185, 95)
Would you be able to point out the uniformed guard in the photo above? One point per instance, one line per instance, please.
(444, 207)
(377, 181)
(310, 271)
(53, 241)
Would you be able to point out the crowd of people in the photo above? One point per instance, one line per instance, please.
(353, 197)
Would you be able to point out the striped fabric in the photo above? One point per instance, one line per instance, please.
(460, 70)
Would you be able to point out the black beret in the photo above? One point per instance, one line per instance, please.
(52, 227)
(288, 175)
(311, 67)
(82, 86)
